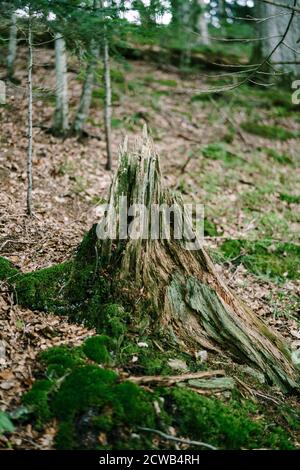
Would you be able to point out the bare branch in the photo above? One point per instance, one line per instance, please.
(177, 439)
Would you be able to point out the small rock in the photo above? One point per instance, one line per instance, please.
(177, 364)
(201, 355)
(141, 344)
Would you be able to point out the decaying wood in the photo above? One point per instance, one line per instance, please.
(216, 383)
(189, 303)
(166, 380)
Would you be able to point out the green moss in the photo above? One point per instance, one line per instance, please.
(41, 289)
(88, 400)
(290, 198)
(210, 229)
(219, 151)
(282, 158)
(268, 131)
(87, 386)
(7, 269)
(95, 348)
(37, 400)
(5, 423)
(114, 320)
(117, 76)
(206, 96)
(60, 360)
(278, 261)
(229, 426)
(117, 123)
(169, 83)
(98, 96)
(65, 437)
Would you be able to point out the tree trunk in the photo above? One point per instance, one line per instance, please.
(222, 9)
(107, 104)
(29, 91)
(286, 56)
(202, 24)
(61, 116)
(87, 89)
(178, 291)
(12, 47)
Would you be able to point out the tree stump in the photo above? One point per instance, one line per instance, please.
(185, 296)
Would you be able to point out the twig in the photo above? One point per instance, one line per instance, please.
(230, 120)
(172, 379)
(177, 439)
(256, 393)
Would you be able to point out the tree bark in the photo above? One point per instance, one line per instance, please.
(178, 291)
(202, 24)
(12, 46)
(107, 103)
(87, 89)
(61, 116)
(30, 137)
(286, 56)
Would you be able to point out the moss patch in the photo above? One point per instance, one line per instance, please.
(219, 151)
(230, 426)
(278, 261)
(95, 348)
(281, 158)
(290, 198)
(269, 132)
(41, 289)
(88, 401)
(7, 269)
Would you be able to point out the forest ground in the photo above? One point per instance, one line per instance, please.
(247, 182)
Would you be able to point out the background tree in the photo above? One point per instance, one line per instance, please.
(61, 115)
(273, 24)
(29, 124)
(87, 88)
(12, 47)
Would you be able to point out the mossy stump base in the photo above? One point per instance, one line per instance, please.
(168, 288)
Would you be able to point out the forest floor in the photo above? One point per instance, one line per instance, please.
(247, 182)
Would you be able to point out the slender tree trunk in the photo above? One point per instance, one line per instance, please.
(107, 105)
(12, 46)
(29, 88)
(87, 89)
(61, 116)
(202, 24)
(222, 8)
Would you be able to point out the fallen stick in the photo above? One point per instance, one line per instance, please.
(172, 379)
(177, 439)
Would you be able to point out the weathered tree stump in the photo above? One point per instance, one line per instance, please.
(170, 291)
(186, 297)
